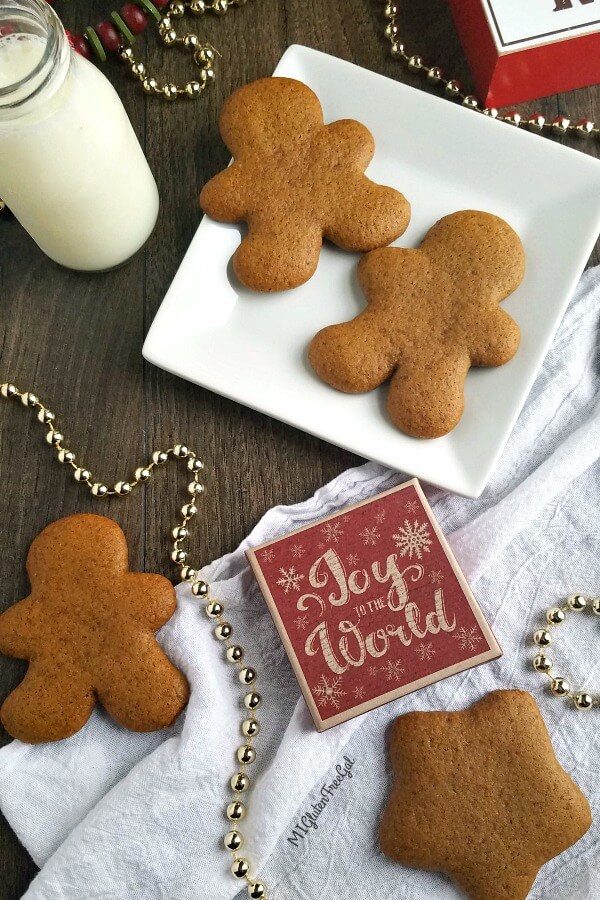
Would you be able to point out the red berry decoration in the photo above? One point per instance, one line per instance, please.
(110, 37)
(134, 17)
(81, 46)
(161, 3)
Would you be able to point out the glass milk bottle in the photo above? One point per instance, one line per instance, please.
(71, 168)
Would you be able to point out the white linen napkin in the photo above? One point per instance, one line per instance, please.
(111, 814)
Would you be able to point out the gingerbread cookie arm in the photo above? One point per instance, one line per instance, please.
(496, 339)
(224, 197)
(150, 599)
(18, 626)
(426, 396)
(352, 357)
(276, 255)
(54, 700)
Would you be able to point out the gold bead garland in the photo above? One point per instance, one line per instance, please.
(245, 755)
(559, 126)
(542, 638)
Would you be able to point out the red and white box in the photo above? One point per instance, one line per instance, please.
(371, 605)
(524, 49)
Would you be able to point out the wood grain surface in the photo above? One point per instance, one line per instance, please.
(76, 340)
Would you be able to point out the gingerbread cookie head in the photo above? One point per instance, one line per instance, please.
(87, 629)
(468, 791)
(294, 181)
(432, 314)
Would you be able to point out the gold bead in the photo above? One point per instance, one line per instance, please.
(240, 867)
(125, 54)
(169, 37)
(542, 637)
(207, 75)
(252, 701)
(123, 487)
(560, 687)
(491, 111)
(240, 782)
(198, 7)
(583, 701)
(143, 474)
(165, 24)
(397, 49)
(66, 456)
(82, 475)
(250, 727)
(542, 663)
(45, 416)
(596, 606)
(9, 390)
(223, 631)
(233, 841)
(214, 610)
(390, 10)
(435, 75)
(247, 675)
(536, 122)
(187, 573)
(513, 118)
(194, 487)
(191, 41)
(219, 7)
(150, 85)
(193, 89)
(584, 127)
(180, 451)
(577, 602)
(195, 465)
(246, 755)
(415, 63)
(29, 399)
(177, 9)
(200, 589)
(257, 891)
(178, 556)
(555, 615)
(189, 510)
(180, 533)
(453, 88)
(561, 124)
(235, 654)
(159, 457)
(54, 437)
(471, 102)
(138, 70)
(236, 811)
(391, 30)
(99, 490)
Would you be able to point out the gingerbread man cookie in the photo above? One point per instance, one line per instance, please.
(432, 314)
(295, 180)
(480, 795)
(87, 629)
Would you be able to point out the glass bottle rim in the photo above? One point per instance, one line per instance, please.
(54, 35)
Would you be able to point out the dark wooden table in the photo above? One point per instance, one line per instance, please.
(76, 340)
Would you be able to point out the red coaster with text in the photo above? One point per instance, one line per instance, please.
(371, 605)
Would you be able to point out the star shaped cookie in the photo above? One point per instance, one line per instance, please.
(480, 795)
(87, 629)
(294, 181)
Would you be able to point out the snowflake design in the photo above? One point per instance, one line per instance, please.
(359, 692)
(393, 670)
(329, 692)
(268, 555)
(321, 545)
(373, 670)
(413, 507)
(413, 540)
(380, 517)
(301, 622)
(332, 532)
(352, 559)
(425, 651)
(298, 551)
(467, 638)
(436, 577)
(290, 579)
(370, 536)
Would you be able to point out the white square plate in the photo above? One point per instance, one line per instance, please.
(252, 347)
